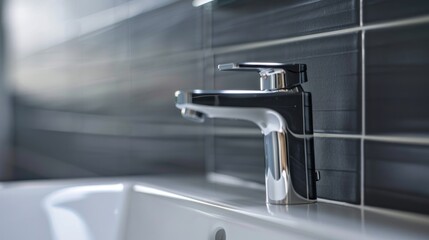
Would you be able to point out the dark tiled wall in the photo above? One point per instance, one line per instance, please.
(396, 174)
(396, 74)
(236, 22)
(382, 127)
(336, 108)
(5, 109)
(334, 73)
(116, 114)
(103, 104)
(385, 10)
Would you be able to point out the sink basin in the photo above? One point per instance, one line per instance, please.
(182, 208)
(62, 210)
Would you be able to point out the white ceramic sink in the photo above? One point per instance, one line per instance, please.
(182, 208)
(62, 210)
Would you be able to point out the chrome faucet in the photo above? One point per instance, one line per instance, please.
(282, 110)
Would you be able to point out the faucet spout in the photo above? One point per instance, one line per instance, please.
(230, 105)
(192, 115)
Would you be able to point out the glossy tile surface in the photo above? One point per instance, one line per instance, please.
(396, 81)
(97, 97)
(5, 109)
(174, 28)
(338, 161)
(396, 176)
(385, 10)
(278, 19)
(101, 103)
(336, 98)
(240, 156)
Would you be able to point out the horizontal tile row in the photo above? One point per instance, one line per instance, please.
(333, 77)
(338, 161)
(387, 10)
(63, 155)
(396, 176)
(333, 66)
(395, 103)
(232, 20)
(101, 98)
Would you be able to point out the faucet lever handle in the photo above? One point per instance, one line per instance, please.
(274, 76)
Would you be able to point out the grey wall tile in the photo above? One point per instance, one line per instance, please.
(396, 81)
(396, 176)
(5, 107)
(82, 8)
(246, 21)
(153, 86)
(333, 77)
(109, 96)
(166, 155)
(170, 29)
(385, 10)
(109, 44)
(129, 72)
(339, 185)
(240, 156)
(47, 154)
(338, 161)
(81, 75)
(55, 145)
(337, 154)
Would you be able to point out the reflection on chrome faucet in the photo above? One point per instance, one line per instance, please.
(282, 110)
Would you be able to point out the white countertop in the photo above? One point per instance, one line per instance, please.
(324, 220)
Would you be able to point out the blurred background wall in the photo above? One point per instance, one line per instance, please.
(6, 162)
(92, 86)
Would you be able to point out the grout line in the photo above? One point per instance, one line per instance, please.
(398, 139)
(361, 13)
(362, 154)
(106, 125)
(262, 44)
(255, 45)
(363, 114)
(342, 203)
(363, 110)
(270, 43)
(377, 138)
(397, 23)
(337, 135)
